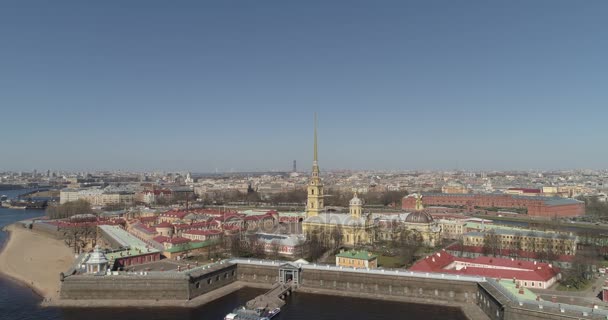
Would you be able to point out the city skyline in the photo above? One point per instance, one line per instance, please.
(200, 87)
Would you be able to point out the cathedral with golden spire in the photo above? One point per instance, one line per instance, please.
(352, 229)
(314, 205)
(358, 228)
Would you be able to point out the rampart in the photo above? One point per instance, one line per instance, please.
(184, 285)
(485, 295)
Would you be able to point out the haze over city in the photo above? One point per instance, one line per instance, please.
(150, 85)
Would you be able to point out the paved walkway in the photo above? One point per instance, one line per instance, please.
(587, 297)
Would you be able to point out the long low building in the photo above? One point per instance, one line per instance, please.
(128, 250)
(536, 206)
(529, 274)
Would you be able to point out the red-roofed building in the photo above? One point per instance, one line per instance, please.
(561, 261)
(524, 191)
(202, 235)
(170, 242)
(530, 274)
(142, 231)
(203, 225)
(172, 216)
(164, 229)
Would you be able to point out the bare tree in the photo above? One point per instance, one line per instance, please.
(275, 249)
(336, 236)
(491, 243)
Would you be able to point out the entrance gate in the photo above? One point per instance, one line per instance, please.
(289, 272)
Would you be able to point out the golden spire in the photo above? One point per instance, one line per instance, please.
(315, 159)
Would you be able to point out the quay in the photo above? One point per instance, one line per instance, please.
(479, 297)
(272, 299)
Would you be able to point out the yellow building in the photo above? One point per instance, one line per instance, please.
(535, 241)
(453, 187)
(350, 229)
(357, 259)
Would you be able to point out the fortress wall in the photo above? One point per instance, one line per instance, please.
(128, 287)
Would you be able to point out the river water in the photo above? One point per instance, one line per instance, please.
(19, 302)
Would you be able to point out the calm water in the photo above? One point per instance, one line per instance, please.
(18, 302)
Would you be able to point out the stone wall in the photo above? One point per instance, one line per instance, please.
(398, 286)
(207, 282)
(389, 285)
(128, 287)
(258, 274)
(153, 286)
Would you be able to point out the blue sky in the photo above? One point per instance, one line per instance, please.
(207, 85)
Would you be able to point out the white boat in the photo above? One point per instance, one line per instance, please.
(272, 313)
(230, 316)
(258, 314)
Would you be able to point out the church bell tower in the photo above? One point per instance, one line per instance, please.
(314, 204)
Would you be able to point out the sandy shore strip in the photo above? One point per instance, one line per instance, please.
(35, 260)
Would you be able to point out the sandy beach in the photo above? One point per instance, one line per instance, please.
(35, 260)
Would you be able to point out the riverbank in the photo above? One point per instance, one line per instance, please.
(35, 260)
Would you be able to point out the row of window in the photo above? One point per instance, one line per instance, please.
(217, 278)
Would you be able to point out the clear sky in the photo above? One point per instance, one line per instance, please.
(206, 85)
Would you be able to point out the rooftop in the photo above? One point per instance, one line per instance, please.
(359, 255)
(123, 238)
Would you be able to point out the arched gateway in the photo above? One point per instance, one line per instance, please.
(290, 272)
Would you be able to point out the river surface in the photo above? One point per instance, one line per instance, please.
(19, 302)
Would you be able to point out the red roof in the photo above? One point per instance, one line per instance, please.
(161, 239)
(176, 240)
(259, 217)
(175, 214)
(143, 227)
(197, 225)
(525, 190)
(228, 216)
(443, 262)
(203, 232)
(147, 219)
(164, 225)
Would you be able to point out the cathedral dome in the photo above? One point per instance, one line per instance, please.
(419, 217)
(355, 201)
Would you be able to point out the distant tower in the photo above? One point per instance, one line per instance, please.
(355, 206)
(294, 166)
(315, 186)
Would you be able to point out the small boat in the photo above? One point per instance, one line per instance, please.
(247, 314)
(270, 314)
(3, 197)
(231, 316)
